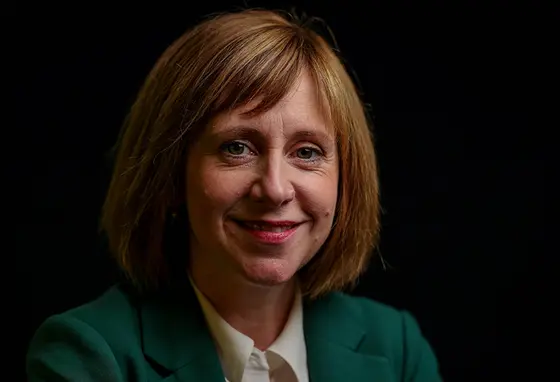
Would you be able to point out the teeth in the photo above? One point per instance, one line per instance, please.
(263, 227)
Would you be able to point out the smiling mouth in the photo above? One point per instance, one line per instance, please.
(274, 228)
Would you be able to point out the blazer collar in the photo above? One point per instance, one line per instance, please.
(175, 336)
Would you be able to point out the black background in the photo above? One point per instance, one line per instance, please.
(459, 97)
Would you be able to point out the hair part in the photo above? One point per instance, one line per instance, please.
(221, 64)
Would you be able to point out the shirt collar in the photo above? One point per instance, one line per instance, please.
(290, 345)
(235, 348)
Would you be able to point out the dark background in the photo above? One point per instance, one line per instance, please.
(459, 101)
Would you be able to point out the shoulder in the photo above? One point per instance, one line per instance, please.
(113, 315)
(367, 308)
(376, 314)
(381, 322)
(97, 335)
(114, 310)
(393, 334)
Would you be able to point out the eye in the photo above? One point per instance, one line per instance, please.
(235, 148)
(307, 153)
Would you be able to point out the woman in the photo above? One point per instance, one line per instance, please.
(244, 199)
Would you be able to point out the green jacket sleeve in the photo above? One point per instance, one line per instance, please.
(420, 363)
(65, 348)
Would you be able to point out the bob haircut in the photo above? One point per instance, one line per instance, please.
(223, 63)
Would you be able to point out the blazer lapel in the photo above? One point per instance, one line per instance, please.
(333, 332)
(176, 338)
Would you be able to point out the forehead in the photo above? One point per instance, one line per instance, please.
(301, 108)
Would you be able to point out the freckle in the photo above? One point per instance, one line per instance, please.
(327, 213)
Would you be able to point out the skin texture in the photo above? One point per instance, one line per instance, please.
(281, 165)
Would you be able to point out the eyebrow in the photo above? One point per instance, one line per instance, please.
(245, 131)
(240, 131)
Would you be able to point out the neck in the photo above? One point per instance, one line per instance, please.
(258, 311)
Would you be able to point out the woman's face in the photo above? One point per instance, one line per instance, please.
(262, 190)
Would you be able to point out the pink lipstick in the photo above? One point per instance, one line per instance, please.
(269, 232)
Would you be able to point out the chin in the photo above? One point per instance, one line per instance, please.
(270, 272)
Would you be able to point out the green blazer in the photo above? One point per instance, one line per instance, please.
(123, 336)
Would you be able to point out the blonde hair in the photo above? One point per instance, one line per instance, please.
(222, 63)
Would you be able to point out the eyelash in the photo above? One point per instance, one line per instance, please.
(224, 147)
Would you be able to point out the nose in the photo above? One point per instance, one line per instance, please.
(272, 185)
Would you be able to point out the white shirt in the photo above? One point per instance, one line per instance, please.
(284, 361)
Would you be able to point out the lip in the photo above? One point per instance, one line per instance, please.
(273, 223)
(269, 237)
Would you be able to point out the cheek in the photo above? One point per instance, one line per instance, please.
(320, 197)
(212, 191)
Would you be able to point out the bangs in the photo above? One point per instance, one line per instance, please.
(259, 71)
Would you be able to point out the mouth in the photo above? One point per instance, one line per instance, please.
(268, 227)
(269, 232)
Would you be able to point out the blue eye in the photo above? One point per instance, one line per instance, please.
(235, 148)
(306, 153)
